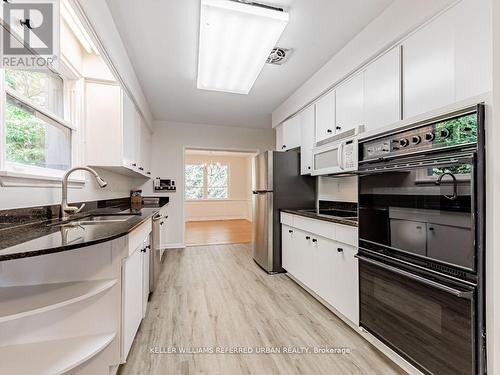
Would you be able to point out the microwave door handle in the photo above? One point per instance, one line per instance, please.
(422, 280)
(339, 155)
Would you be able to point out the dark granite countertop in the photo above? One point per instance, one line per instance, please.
(313, 215)
(42, 238)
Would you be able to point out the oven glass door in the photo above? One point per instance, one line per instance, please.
(427, 322)
(424, 212)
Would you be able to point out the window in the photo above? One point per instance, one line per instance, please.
(37, 138)
(207, 181)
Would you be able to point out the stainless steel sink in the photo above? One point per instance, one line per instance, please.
(95, 219)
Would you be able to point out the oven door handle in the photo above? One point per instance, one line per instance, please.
(420, 279)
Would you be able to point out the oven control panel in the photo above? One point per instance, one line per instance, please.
(456, 131)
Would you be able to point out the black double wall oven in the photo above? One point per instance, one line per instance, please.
(421, 242)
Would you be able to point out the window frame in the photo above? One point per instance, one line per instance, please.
(205, 186)
(18, 174)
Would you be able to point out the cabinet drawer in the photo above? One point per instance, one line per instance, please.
(317, 227)
(346, 234)
(137, 236)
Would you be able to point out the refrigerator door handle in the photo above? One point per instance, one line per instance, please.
(255, 192)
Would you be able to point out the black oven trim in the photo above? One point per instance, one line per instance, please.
(474, 294)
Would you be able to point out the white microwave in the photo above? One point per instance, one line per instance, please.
(335, 157)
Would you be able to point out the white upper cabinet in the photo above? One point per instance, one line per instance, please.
(280, 141)
(473, 51)
(307, 139)
(325, 116)
(116, 136)
(449, 59)
(382, 91)
(349, 104)
(288, 134)
(428, 67)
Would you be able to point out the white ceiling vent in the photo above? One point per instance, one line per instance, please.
(278, 56)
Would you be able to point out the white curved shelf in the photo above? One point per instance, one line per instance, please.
(52, 357)
(21, 301)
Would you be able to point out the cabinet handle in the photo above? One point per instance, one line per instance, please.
(329, 130)
(309, 167)
(143, 250)
(161, 223)
(134, 164)
(314, 240)
(283, 147)
(148, 247)
(141, 168)
(149, 173)
(431, 228)
(290, 231)
(308, 238)
(340, 250)
(338, 127)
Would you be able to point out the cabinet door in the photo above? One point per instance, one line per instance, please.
(288, 256)
(145, 161)
(473, 51)
(325, 269)
(280, 141)
(325, 116)
(428, 67)
(146, 253)
(307, 139)
(291, 133)
(382, 88)
(346, 297)
(132, 298)
(103, 119)
(349, 104)
(129, 130)
(305, 258)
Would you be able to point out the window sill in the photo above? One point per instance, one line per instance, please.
(23, 179)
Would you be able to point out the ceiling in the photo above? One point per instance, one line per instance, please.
(161, 37)
(219, 153)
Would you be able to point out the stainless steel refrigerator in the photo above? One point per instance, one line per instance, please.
(277, 185)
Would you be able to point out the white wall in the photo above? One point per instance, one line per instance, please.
(340, 189)
(395, 22)
(493, 207)
(169, 141)
(118, 187)
(238, 204)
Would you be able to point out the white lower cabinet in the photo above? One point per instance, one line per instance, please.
(132, 298)
(135, 286)
(326, 266)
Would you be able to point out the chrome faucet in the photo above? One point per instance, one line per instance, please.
(66, 210)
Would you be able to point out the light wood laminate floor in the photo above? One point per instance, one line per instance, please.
(217, 296)
(217, 232)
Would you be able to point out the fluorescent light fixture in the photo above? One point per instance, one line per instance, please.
(235, 41)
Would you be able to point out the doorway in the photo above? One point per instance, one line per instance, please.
(217, 197)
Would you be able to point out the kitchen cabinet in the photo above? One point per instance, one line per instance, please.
(307, 118)
(288, 134)
(116, 136)
(280, 141)
(349, 104)
(449, 59)
(146, 252)
(321, 256)
(132, 298)
(382, 91)
(428, 67)
(325, 117)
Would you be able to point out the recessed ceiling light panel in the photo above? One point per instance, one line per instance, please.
(235, 42)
